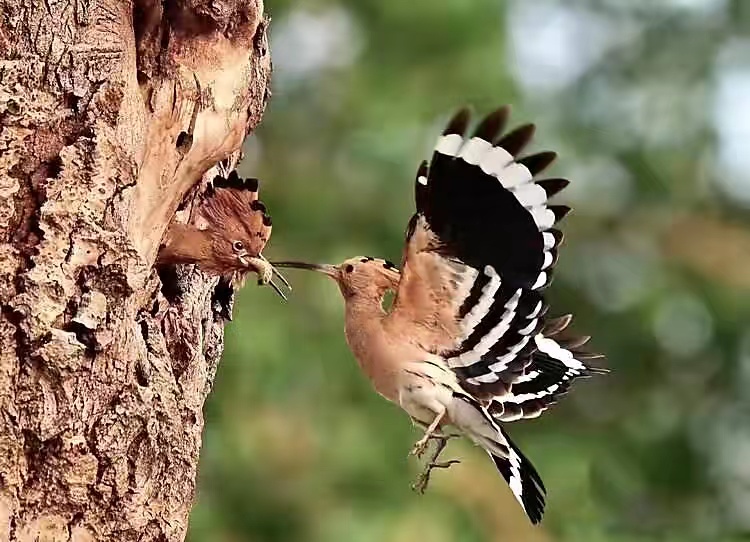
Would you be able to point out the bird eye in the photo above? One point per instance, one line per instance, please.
(349, 268)
(238, 246)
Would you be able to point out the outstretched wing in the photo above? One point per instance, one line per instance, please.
(480, 250)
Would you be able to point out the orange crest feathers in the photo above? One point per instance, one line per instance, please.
(232, 210)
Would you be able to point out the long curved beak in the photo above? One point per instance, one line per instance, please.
(326, 269)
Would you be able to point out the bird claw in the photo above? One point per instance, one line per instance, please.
(423, 480)
(420, 446)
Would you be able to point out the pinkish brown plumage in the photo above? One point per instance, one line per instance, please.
(467, 342)
(227, 234)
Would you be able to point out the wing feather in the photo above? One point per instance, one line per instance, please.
(479, 251)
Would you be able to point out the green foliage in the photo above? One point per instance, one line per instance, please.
(298, 447)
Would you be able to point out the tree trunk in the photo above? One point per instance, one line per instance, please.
(111, 114)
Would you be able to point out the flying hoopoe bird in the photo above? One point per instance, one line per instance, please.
(228, 233)
(467, 342)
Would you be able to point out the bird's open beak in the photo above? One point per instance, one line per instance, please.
(326, 269)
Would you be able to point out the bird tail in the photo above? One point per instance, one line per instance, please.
(469, 416)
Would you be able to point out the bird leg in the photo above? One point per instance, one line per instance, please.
(420, 484)
(421, 445)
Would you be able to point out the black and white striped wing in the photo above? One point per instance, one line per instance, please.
(550, 372)
(480, 250)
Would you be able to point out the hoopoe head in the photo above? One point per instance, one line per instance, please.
(236, 222)
(361, 276)
(231, 227)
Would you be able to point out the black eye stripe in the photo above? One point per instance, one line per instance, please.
(349, 268)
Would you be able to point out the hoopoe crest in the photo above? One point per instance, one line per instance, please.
(229, 230)
(467, 342)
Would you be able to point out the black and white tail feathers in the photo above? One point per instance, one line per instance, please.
(523, 479)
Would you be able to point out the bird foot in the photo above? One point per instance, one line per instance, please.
(420, 446)
(423, 480)
(420, 484)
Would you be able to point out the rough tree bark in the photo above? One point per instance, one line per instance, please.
(110, 114)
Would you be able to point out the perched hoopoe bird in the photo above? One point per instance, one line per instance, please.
(467, 342)
(228, 233)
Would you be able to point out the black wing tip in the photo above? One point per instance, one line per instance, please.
(574, 343)
(551, 364)
(548, 279)
(459, 122)
(492, 125)
(516, 141)
(556, 325)
(555, 257)
(538, 162)
(560, 211)
(596, 371)
(553, 186)
(558, 235)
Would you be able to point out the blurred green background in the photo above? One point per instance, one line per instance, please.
(648, 104)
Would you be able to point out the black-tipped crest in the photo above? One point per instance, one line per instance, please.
(233, 180)
(252, 184)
